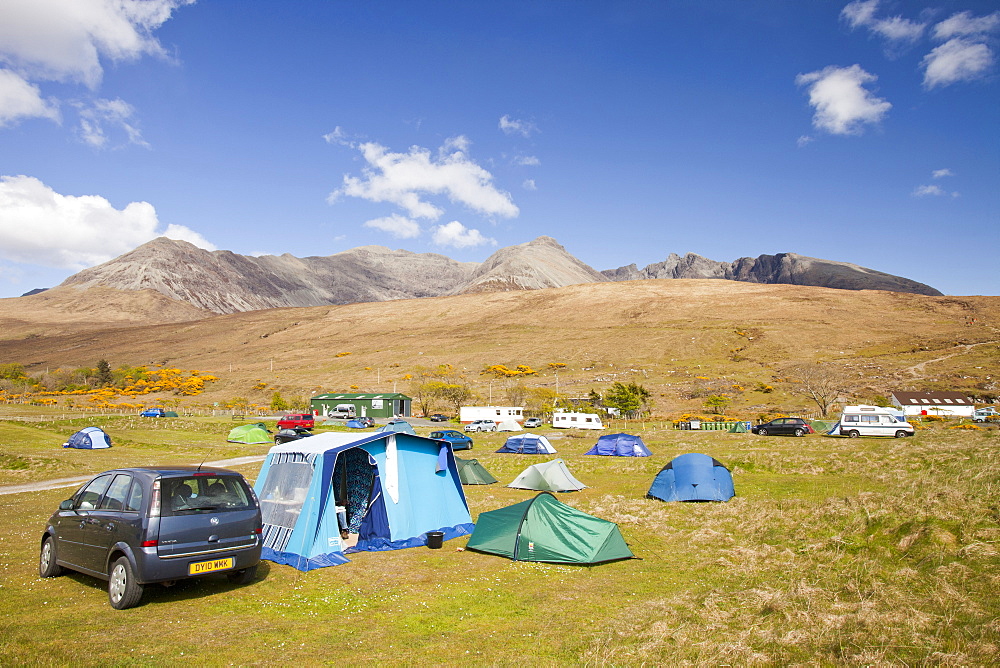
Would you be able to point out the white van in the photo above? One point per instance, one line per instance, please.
(858, 421)
(344, 411)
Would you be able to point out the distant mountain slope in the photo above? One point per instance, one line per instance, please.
(225, 282)
(538, 264)
(785, 268)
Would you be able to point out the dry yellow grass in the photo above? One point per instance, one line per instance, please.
(660, 333)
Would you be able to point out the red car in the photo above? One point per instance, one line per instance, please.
(305, 420)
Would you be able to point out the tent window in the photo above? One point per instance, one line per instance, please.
(284, 492)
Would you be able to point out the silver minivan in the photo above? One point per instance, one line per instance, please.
(136, 526)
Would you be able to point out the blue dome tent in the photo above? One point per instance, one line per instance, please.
(89, 438)
(620, 445)
(528, 444)
(692, 477)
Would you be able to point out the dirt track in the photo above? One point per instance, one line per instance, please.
(56, 483)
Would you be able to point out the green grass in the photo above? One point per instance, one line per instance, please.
(834, 552)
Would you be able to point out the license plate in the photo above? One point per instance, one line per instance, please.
(209, 566)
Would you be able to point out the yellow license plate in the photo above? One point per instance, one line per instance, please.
(209, 566)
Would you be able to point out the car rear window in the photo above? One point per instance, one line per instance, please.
(204, 494)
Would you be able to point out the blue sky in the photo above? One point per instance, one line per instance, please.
(864, 132)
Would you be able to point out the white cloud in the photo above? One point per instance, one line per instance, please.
(529, 184)
(804, 140)
(457, 235)
(66, 40)
(528, 161)
(404, 178)
(941, 173)
(20, 99)
(956, 60)
(512, 126)
(843, 106)
(924, 191)
(97, 118)
(41, 226)
(896, 29)
(964, 24)
(396, 225)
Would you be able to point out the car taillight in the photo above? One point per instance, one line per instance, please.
(150, 543)
(154, 504)
(259, 530)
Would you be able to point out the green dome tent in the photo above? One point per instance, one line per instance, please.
(471, 472)
(250, 434)
(545, 529)
(739, 428)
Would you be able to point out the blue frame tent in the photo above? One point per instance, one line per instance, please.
(692, 477)
(528, 444)
(389, 488)
(89, 438)
(620, 445)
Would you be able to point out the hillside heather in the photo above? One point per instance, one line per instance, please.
(681, 339)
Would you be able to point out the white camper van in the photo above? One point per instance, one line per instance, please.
(576, 421)
(344, 411)
(873, 421)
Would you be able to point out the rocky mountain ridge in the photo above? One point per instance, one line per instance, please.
(226, 282)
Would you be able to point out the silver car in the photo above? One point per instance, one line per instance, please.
(481, 425)
(136, 526)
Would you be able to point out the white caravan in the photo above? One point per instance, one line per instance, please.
(498, 414)
(873, 421)
(576, 421)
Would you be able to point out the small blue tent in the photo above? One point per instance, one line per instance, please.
(620, 445)
(390, 489)
(355, 424)
(528, 444)
(89, 438)
(399, 426)
(692, 477)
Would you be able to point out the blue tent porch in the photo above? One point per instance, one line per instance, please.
(390, 488)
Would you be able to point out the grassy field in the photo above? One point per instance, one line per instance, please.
(835, 551)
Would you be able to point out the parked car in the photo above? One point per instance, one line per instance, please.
(458, 440)
(533, 422)
(438, 417)
(154, 412)
(786, 426)
(293, 434)
(481, 425)
(297, 420)
(366, 421)
(988, 414)
(136, 526)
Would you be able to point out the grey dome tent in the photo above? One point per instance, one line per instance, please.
(692, 477)
(471, 472)
(552, 476)
(89, 438)
(545, 529)
(620, 445)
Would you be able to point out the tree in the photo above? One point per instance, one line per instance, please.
(104, 375)
(630, 399)
(717, 403)
(278, 403)
(822, 383)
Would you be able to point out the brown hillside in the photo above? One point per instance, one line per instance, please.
(667, 335)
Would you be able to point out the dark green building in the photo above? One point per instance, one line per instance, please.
(384, 405)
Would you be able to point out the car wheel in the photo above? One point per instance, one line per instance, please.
(123, 590)
(900, 433)
(47, 566)
(243, 576)
(853, 433)
(799, 431)
(762, 432)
